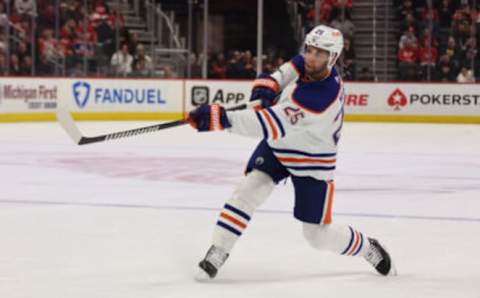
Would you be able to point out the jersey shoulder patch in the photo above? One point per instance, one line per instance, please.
(316, 97)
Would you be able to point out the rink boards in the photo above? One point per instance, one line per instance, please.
(35, 99)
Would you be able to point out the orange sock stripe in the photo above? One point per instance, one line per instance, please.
(328, 214)
(270, 123)
(355, 246)
(233, 220)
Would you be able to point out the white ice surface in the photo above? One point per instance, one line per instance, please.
(132, 218)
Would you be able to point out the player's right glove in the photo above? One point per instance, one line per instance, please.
(265, 89)
(209, 118)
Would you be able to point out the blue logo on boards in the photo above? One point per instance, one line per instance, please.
(84, 94)
(81, 93)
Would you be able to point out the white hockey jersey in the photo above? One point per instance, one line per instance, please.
(304, 127)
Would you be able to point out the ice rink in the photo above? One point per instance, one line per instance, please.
(132, 218)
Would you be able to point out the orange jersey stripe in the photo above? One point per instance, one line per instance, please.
(293, 159)
(270, 123)
(233, 220)
(328, 215)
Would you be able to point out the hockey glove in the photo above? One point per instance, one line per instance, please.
(209, 118)
(265, 89)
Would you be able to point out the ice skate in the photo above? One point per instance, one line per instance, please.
(209, 266)
(380, 259)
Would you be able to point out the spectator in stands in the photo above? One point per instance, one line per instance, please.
(407, 57)
(249, 68)
(146, 64)
(324, 14)
(44, 68)
(47, 45)
(69, 9)
(140, 68)
(3, 65)
(3, 42)
(445, 70)
(427, 38)
(408, 37)
(14, 65)
(122, 61)
(26, 66)
(445, 12)
(99, 13)
(85, 42)
(132, 42)
(429, 20)
(453, 52)
(465, 76)
(470, 58)
(69, 30)
(341, 8)
(268, 68)
(3, 16)
(26, 7)
(217, 67)
(235, 68)
(428, 58)
(106, 37)
(23, 50)
(348, 60)
(405, 8)
(409, 22)
(462, 33)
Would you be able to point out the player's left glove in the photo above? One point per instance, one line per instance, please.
(209, 118)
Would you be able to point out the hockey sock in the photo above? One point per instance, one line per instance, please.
(339, 239)
(252, 191)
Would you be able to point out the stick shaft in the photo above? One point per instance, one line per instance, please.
(68, 124)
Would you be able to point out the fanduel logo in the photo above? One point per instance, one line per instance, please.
(81, 93)
(84, 93)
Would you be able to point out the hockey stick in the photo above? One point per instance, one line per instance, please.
(68, 124)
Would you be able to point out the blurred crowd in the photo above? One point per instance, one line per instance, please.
(440, 42)
(236, 64)
(85, 41)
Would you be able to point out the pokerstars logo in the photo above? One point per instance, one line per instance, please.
(397, 99)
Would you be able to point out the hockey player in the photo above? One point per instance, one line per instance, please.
(300, 132)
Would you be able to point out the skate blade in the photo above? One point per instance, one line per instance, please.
(393, 269)
(202, 276)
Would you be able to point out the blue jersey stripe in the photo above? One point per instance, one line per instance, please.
(351, 241)
(237, 211)
(291, 151)
(279, 123)
(309, 168)
(264, 128)
(229, 228)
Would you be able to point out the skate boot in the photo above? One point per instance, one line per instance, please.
(209, 266)
(379, 258)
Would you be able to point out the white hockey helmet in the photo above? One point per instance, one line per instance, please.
(328, 39)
